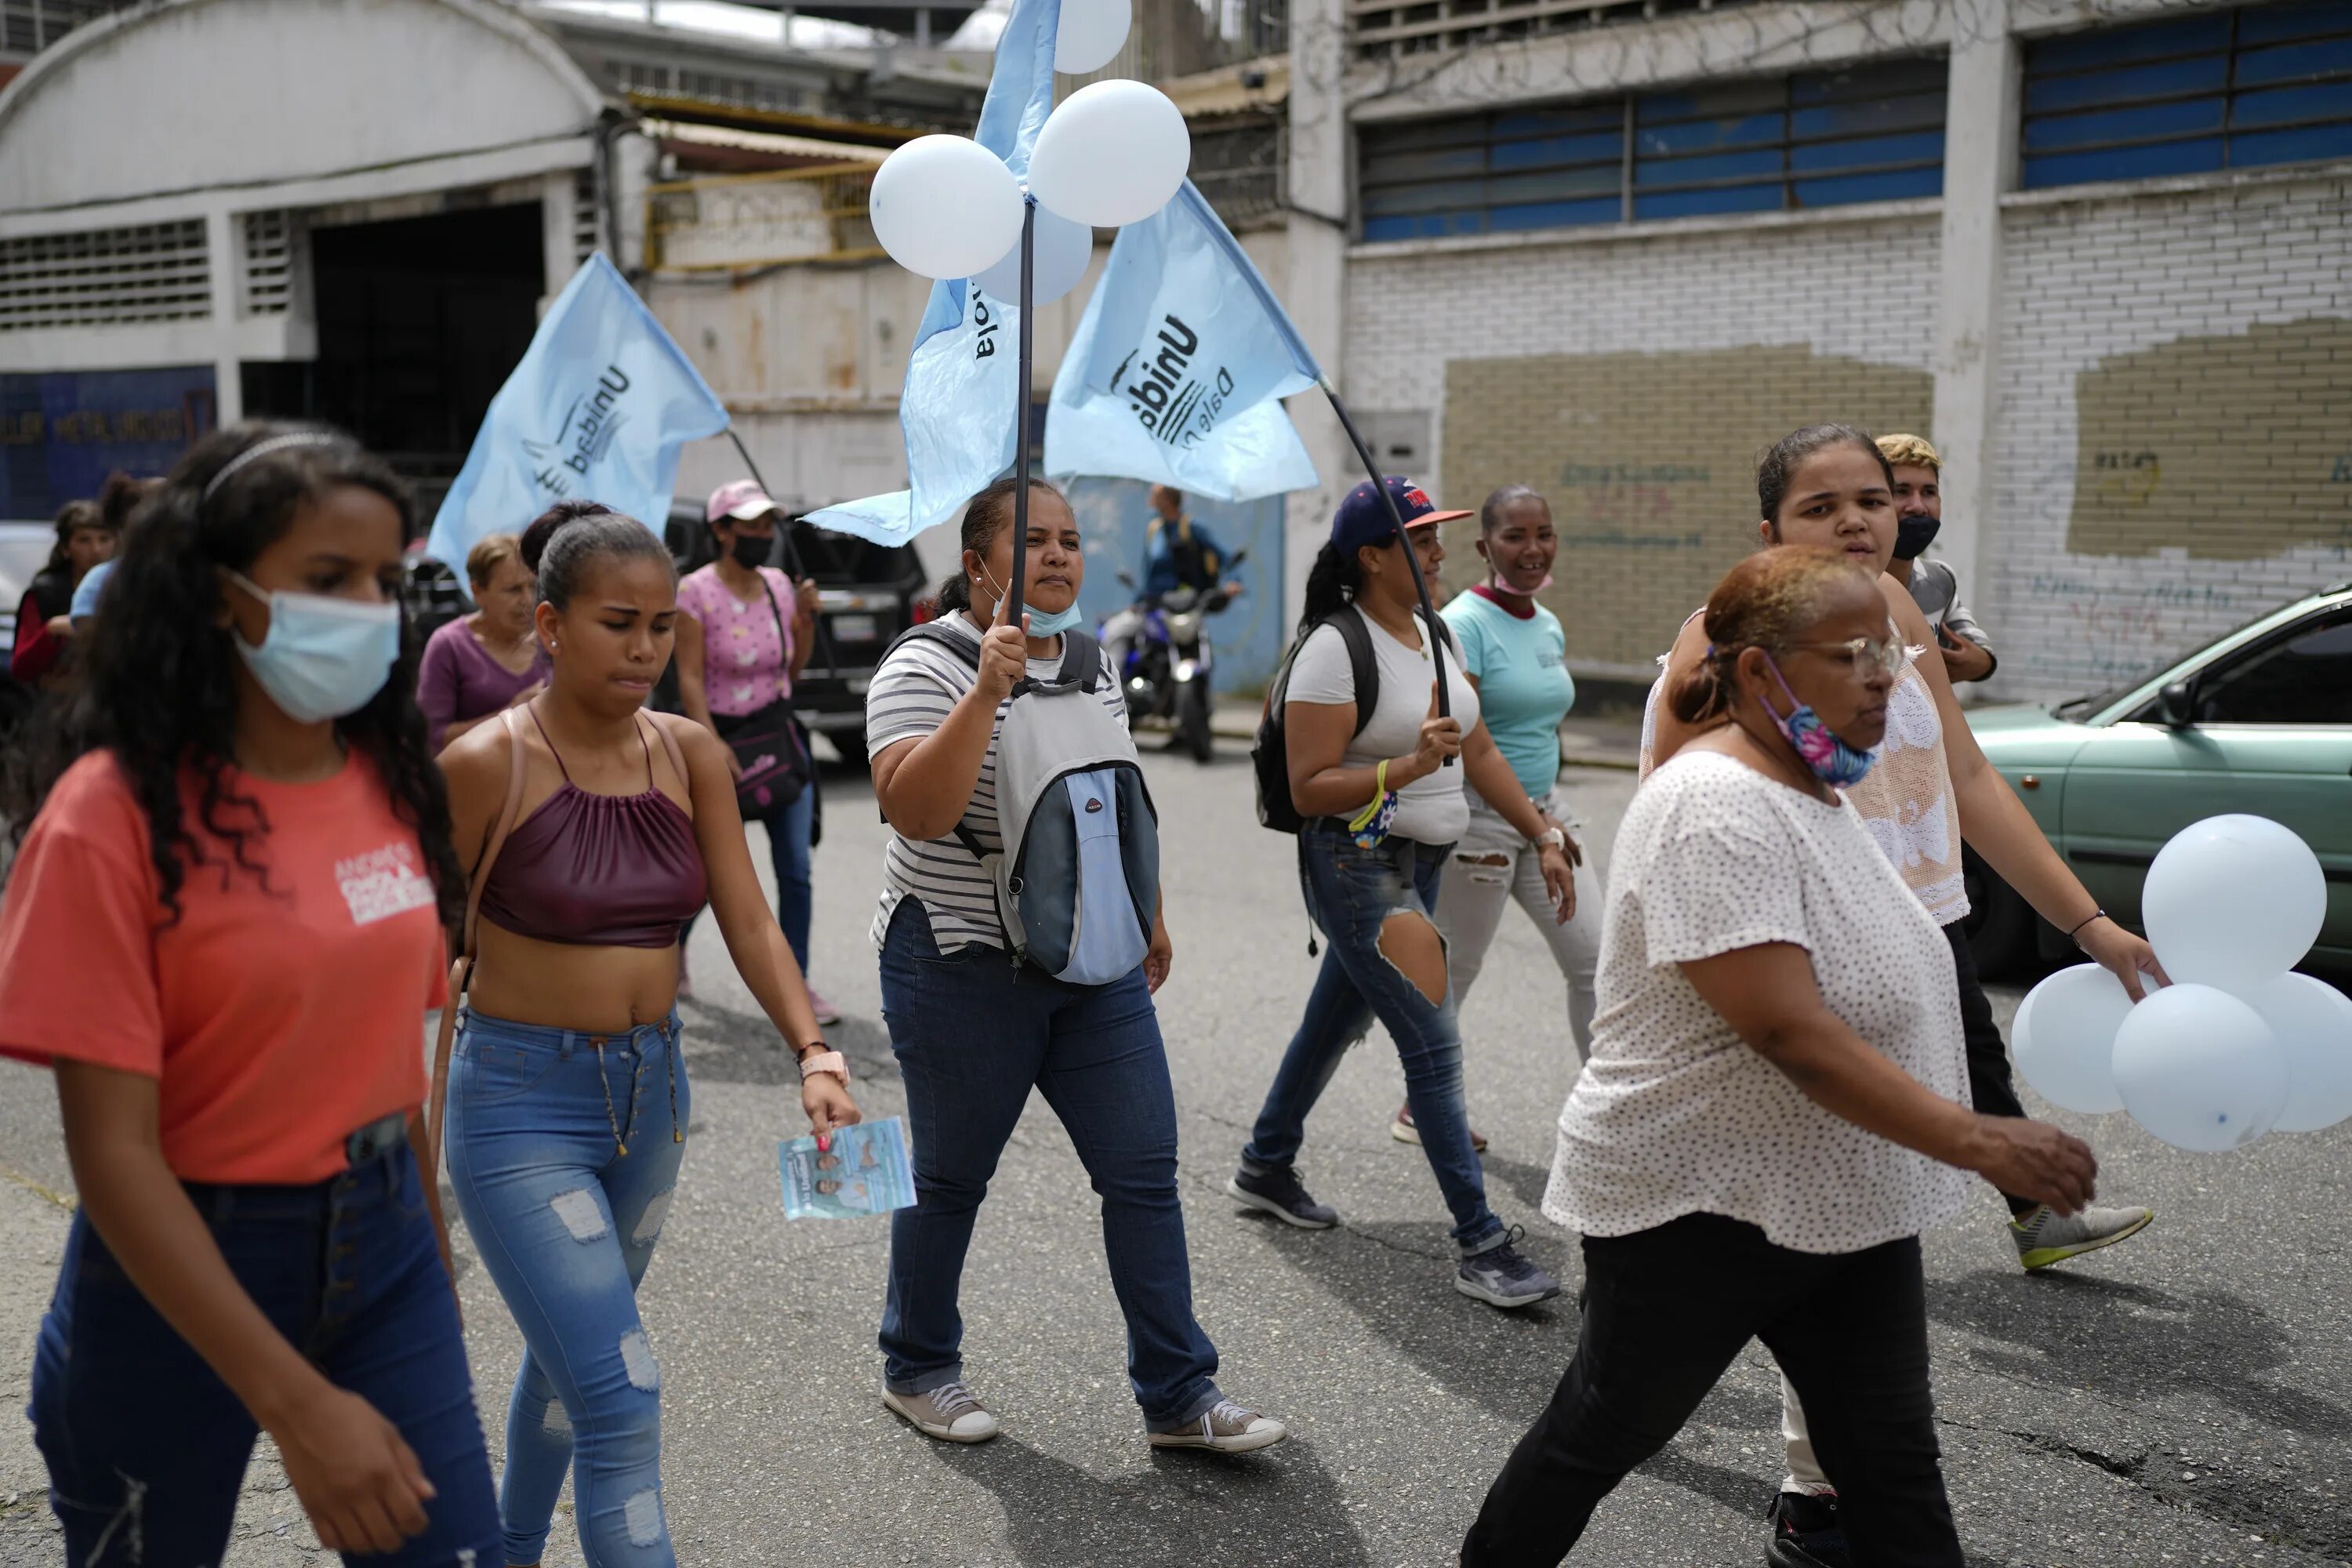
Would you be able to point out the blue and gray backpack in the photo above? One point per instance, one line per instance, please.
(1078, 881)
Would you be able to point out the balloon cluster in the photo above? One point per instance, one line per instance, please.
(1115, 152)
(2236, 1046)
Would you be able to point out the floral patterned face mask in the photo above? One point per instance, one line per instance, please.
(1833, 762)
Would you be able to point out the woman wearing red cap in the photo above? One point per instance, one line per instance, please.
(739, 652)
(1368, 771)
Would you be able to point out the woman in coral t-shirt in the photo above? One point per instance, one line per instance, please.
(222, 931)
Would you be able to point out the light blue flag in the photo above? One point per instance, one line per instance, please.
(597, 411)
(1179, 364)
(964, 390)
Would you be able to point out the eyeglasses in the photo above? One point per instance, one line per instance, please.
(1889, 655)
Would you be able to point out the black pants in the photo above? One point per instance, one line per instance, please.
(1991, 1090)
(1665, 1311)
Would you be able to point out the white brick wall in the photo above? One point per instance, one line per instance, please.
(1866, 288)
(2085, 279)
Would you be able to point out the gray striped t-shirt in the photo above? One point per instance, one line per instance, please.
(918, 684)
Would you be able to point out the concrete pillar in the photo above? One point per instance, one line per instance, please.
(559, 197)
(225, 256)
(1315, 292)
(1979, 165)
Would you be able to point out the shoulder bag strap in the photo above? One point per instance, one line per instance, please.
(1081, 658)
(783, 645)
(461, 969)
(1363, 665)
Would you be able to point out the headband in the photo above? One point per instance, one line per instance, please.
(262, 449)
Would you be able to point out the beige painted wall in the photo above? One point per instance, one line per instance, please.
(1649, 461)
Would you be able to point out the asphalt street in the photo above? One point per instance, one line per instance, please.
(2185, 1398)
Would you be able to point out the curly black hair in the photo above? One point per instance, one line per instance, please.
(161, 687)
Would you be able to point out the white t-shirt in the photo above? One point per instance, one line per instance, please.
(918, 685)
(1673, 1113)
(1429, 810)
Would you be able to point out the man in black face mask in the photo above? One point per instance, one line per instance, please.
(1919, 509)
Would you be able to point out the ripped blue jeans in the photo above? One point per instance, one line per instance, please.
(1352, 893)
(564, 1149)
(147, 1447)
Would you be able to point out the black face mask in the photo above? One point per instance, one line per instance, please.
(751, 548)
(1913, 534)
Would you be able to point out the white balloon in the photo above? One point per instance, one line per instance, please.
(2233, 901)
(944, 206)
(2064, 1036)
(1063, 250)
(1112, 153)
(1089, 34)
(2313, 1022)
(2199, 1070)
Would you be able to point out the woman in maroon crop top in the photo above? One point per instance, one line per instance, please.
(568, 1102)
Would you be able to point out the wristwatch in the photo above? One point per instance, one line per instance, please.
(816, 1057)
(1551, 839)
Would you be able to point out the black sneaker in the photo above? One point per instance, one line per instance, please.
(1501, 1277)
(1806, 1533)
(1279, 1193)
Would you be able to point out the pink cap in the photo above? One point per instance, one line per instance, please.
(743, 499)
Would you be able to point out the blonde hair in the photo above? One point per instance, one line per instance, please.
(1769, 601)
(1909, 452)
(484, 558)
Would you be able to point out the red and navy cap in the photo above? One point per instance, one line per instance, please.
(1363, 518)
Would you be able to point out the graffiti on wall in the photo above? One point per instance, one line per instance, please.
(2230, 448)
(1649, 462)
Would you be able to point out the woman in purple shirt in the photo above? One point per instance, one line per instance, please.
(481, 664)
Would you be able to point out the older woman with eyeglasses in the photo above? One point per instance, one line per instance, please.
(1772, 1111)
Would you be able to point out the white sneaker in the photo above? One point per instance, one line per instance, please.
(949, 1413)
(1224, 1428)
(827, 1013)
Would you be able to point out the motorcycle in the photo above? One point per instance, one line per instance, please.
(1168, 665)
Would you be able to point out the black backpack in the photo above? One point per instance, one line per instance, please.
(1270, 753)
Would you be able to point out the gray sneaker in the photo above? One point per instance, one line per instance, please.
(949, 1413)
(1226, 1428)
(2043, 1239)
(1501, 1277)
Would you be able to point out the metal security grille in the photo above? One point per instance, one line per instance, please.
(1824, 138)
(587, 222)
(1393, 29)
(2231, 90)
(103, 277)
(29, 27)
(1240, 167)
(1817, 139)
(269, 263)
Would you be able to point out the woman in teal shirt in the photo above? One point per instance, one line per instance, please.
(1515, 653)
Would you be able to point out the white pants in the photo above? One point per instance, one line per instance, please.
(1804, 1470)
(1473, 892)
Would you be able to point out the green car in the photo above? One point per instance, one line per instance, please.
(2258, 721)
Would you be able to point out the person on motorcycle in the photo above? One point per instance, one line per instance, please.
(1183, 554)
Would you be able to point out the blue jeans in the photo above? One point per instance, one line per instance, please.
(563, 1149)
(973, 1035)
(1350, 892)
(147, 1447)
(789, 853)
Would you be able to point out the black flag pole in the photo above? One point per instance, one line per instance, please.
(1412, 557)
(793, 564)
(1021, 418)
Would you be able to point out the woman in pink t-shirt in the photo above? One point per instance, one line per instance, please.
(741, 643)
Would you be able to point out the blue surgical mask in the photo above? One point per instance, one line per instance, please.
(1041, 623)
(1833, 762)
(324, 657)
